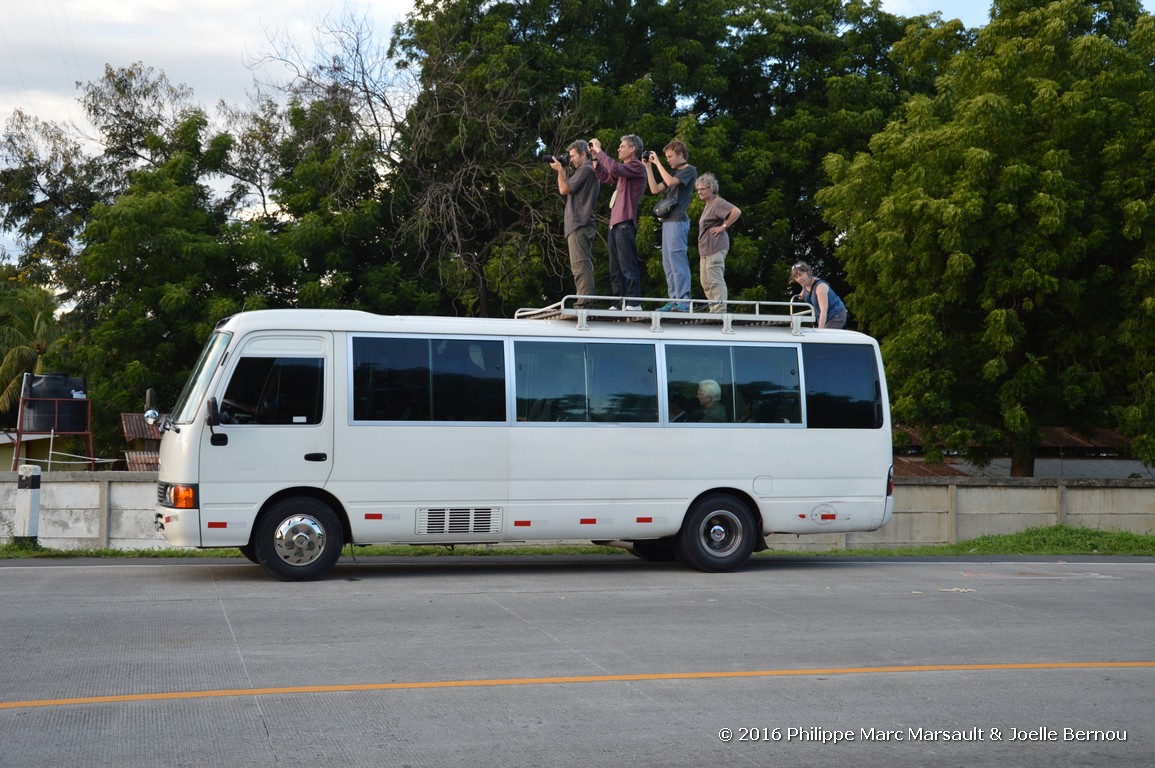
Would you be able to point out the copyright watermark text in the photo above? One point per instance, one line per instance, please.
(819, 735)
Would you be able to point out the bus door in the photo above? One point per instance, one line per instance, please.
(275, 431)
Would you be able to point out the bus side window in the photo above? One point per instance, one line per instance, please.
(623, 383)
(390, 379)
(275, 390)
(561, 381)
(468, 380)
(767, 379)
(843, 388)
(551, 382)
(689, 367)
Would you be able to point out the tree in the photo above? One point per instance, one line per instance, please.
(999, 234)
(760, 91)
(159, 268)
(474, 208)
(28, 333)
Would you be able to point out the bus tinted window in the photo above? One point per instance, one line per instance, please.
(428, 380)
(754, 384)
(694, 373)
(558, 381)
(468, 380)
(275, 390)
(842, 387)
(766, 385)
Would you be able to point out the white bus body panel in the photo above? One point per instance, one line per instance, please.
(262, 459)
(524, 481)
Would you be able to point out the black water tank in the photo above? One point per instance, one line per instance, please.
(54, 402)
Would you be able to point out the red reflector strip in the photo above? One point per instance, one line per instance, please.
(645, 519)
(521, 523)
(589, 521)
(168, 519)
(829, 516)
(374, 516)
(218, 525)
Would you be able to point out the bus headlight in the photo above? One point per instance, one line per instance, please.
(177, 495)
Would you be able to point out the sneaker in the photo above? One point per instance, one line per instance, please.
(681, 306)
(633, 307)
(615, 306)
(669, 306)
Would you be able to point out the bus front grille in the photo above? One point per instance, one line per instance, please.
(455, 520)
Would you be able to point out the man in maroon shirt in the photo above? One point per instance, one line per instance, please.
(628, 176)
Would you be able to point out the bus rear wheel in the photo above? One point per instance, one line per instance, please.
(717, 535)
(298, 539)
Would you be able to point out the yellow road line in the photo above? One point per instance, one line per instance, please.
(227, 692)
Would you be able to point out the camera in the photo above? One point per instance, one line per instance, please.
(650, 155)
(563, 159)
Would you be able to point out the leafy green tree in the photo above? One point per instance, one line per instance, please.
(760, 91)
(999, 236)
(473, 201)
(47, 187)
(29, 331)
(52, 177)
(159, 269)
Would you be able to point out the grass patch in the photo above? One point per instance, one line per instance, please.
(1047, 540)
(11, 551)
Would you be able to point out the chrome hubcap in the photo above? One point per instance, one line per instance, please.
(299, 540)
(722, 533)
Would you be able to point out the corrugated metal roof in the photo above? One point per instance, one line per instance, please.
(142, 461)
(136, 428)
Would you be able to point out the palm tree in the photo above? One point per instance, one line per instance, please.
(28, 329)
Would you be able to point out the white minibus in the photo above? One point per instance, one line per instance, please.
(684, 436)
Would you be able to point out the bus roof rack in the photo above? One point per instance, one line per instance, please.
(581, 308)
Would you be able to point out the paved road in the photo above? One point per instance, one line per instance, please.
(578, 661)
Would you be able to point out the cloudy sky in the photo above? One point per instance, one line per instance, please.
(46, 46)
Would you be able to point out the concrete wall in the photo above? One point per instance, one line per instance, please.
(115, 510)
(949, 510)
(90, 510)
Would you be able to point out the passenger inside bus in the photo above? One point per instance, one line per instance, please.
(710, 395)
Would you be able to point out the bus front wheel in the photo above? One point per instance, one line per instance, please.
(717, 535)
(298, 539)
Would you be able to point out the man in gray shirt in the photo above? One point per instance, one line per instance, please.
(677, 184)
(580, 190)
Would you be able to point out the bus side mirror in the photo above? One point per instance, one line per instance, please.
(214, 419)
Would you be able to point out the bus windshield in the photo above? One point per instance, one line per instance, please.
(198, 383)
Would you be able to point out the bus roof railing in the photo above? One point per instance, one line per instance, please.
(586, 309)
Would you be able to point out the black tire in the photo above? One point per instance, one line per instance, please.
(298, 539)
(250, 553)
(717, 535)
(655, 550)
